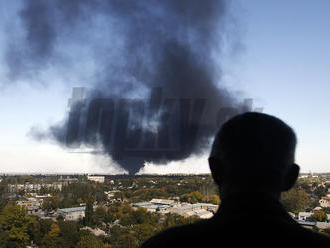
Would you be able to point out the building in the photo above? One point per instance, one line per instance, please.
(164, 206)
(207, 206)
(325, 202)
(151, 207)
(304, 216)
(27, 187)
(72, 213)
(162, 201)
(194, 210)
(98, 179)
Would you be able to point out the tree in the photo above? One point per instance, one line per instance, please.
(295, 200)
(140, 216)
(319, 215)
(100, 215)
(54, 231)
(194, 197)
(4, 237)
(51, 204)
(214, 199)
(143, 232)
(3, 200)
(326, 210)
(128, 240)
(88, 241)
(16, 222)
(52, 242)
(88, 219)
(69, 232)
(320, 191)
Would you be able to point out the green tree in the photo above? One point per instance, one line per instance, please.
(319, 215)
(326, 210)
(51, 203)
(143, 232)
(69, 232)
(16, 222)
(214, 199)
(3, 200)
(320, 191)
(54, 231)
(128, 241)
(193, 197)
(295, 200)
(52, 242)
(100, 215)
(4, 238)
(90, 240)
(88, 219)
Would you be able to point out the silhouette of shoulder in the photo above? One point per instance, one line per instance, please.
(237, 224)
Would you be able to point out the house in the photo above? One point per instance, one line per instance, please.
(72, 213)
(304, 216)
(325, 202)
(97, 179)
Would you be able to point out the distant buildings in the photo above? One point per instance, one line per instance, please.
(164, 206)
(200, 210)
(30, 203)
(34, 187)
(97, 179)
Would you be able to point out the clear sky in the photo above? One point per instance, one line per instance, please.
(284, 66)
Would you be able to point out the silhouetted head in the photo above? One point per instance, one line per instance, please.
(254, 152)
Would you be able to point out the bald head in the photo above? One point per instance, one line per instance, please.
(253, 146)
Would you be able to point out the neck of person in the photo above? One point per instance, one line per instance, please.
(227, 191)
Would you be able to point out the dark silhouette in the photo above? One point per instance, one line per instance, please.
(252, 161)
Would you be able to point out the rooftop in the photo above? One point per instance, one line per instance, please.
(70, 210)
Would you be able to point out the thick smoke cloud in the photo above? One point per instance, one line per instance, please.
(155, 93)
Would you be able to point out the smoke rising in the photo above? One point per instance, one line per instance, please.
(154, 73)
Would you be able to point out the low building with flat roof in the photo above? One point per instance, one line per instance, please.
(73, 214)
(162, 201)
(97, 179)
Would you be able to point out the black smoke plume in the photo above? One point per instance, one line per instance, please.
(155, 93)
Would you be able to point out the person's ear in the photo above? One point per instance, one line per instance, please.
(291, 177)
(217, 170)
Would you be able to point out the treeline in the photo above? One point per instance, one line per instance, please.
(304, 196)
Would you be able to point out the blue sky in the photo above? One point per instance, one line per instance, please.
(287, 68)
(284, 66)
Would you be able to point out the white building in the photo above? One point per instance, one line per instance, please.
(162, 201)
(98, 179)
(304, 216)
(72, 213)
(164, 206)
(325, 202)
